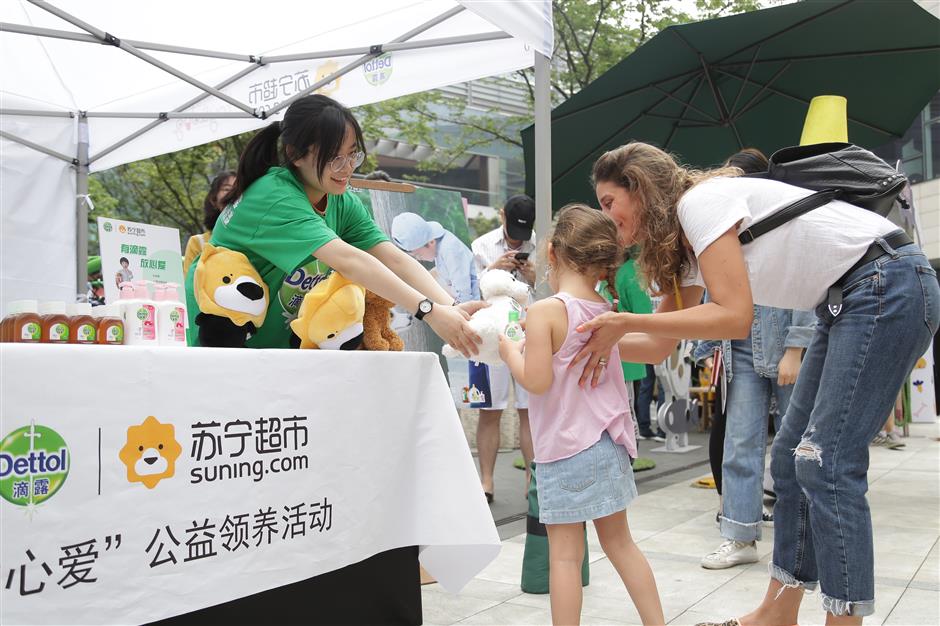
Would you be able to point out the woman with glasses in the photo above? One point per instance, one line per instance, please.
(292, 215)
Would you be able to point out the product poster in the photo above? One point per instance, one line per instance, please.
(923, 400)
(446, 208)
(132, 251)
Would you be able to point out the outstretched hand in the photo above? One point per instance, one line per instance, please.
(450, 324)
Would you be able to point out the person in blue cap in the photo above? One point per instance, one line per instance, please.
(430, 242)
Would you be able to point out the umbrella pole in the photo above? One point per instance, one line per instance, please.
(543, 165)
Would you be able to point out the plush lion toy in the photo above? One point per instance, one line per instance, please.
(377, 333)
(232, 298)
(330, 316)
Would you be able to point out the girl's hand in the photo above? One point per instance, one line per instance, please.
(606, 329)
(789, 367)
(450, 324)
(507, 347)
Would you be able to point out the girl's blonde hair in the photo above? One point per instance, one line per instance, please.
(585, 240)
(657, 182)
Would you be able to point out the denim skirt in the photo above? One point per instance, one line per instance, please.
(593, 483)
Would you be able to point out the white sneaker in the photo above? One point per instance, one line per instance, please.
(894, 440)
(731, 553)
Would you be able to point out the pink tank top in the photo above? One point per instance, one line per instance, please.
(568, 419)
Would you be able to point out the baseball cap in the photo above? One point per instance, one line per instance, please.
(410, 231)
(520, 217)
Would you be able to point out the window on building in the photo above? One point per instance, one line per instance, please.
(919, 149)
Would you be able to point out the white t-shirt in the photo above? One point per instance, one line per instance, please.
(792, 266)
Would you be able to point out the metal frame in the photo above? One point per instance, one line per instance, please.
(82, 160)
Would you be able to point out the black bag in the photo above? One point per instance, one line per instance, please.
(835, 171)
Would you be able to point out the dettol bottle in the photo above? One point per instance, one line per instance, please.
(55, 322)
(171, 317)
(83, 328)
(139, 314)
(26, 325)
(110, 325)
(514, 328)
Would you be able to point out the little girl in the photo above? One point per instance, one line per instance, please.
(583, 440)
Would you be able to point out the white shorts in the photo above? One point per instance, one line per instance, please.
(500, 379)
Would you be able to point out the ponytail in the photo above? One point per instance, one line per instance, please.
(258, 156)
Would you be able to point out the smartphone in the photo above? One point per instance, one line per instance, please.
(522, 256)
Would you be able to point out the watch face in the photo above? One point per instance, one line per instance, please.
(424, 306)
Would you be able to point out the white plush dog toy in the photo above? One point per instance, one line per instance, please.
(504, 294)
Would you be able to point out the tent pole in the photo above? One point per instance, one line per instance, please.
(23, 29)
(543, 163)
(36, 146)
(36, 112)
(81, 206)
(395, 46)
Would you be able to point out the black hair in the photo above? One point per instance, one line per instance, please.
(210, 208)
(314, 121)
(124, 260)
(749, 160)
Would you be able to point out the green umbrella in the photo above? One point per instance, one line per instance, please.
(707, 89)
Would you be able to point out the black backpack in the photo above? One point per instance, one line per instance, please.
(835, 171)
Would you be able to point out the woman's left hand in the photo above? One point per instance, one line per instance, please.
(789, 366)
(606, 330)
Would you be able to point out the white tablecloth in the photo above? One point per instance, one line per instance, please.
(280, 465)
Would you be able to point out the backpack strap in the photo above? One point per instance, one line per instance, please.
(787, 213)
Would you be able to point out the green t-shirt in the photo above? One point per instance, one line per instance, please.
(633, 299)
(274, 226)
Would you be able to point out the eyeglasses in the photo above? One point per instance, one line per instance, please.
(338, 164)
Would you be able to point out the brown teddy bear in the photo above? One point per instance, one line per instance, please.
(376, 325)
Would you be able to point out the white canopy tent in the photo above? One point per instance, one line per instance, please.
(85, 86)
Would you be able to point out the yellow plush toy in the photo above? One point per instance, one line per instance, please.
(330, 316)
(232, 297)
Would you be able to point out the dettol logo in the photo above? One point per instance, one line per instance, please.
(34, 462)
(299, 282)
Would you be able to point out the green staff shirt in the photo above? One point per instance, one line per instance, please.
(633, 299)
(274, 226)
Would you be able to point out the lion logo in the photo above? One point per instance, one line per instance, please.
(150, 452)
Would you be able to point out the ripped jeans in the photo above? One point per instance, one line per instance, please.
(848, 383)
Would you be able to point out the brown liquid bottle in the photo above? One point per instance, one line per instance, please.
(6, 326)
(110, 325)
(82, 326)
(55, 323)
(26, 326)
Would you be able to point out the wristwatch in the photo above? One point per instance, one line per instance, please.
(424, 307)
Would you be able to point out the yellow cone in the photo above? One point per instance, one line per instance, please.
(826, 121)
